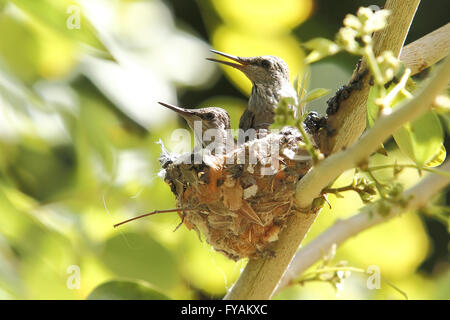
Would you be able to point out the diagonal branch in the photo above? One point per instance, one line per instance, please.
(310, 186)
(426, 51)
(342, 230)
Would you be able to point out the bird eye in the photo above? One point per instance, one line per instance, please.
(265, 63)
(209, 116)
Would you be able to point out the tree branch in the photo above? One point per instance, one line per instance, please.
(310, 186)
(261, 276)
(349, 121)
(426, 51)
(342, 230)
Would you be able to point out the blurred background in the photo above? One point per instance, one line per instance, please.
(79, 122)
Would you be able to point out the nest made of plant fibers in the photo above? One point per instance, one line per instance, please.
(240, 207)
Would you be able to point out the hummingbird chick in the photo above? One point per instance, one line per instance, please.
(270, 83)
(207, 123)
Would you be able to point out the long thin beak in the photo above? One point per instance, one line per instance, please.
(240, 65)
(182, 111)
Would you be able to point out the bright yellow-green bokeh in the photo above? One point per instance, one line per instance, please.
(207, 269)
(57, 55)
(397, 247)
(233, 41)
(94, 274)
(264, 16)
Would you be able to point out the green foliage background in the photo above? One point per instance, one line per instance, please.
(78, 126)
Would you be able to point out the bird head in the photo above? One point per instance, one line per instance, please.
(211, 118)
(265, 70)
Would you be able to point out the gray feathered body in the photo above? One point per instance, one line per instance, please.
(263, 101)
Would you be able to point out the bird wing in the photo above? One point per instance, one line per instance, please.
(246, 122)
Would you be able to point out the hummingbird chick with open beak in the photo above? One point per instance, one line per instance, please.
(270, 79)
(207, 123)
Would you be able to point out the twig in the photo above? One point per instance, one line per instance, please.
(340, 189)
(342, 230)
(409, 166)
(313, 276)
(150, 214)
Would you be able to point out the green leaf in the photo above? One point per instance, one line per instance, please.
(320, 48)
(126, 290)
(133, 255)
(286, 101)
(376, 92)
(438, 158)
(303, 85)
(422, 139)
(284, 114)
(316, 94)
(372, 108)
(296, 84)
(55, 14)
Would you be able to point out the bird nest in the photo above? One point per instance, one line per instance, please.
(239, 201)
